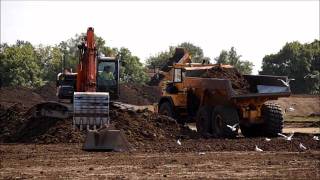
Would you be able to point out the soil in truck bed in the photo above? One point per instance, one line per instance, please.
(239, 84)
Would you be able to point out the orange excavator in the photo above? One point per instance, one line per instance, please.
(91, 94)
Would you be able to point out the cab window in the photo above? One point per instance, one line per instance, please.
(102, 65)
(178, 75)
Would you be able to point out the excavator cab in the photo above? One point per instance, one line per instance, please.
(108, 76)
(66, 83)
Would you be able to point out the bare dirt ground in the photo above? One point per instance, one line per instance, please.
(303, 105)
(69, 162)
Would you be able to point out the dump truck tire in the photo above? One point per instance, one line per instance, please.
(273, 119)
(166, 109)
(203, 121)
(221, 117)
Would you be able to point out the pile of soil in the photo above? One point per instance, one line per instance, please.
(10, 119)
(138, 94)
(143, 127)
(47, 92)
(49, 130)
(21, 95)
(18, 125)
(140, 127)
(239, 84)
(146, 132)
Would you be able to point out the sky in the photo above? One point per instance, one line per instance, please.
(254, 28)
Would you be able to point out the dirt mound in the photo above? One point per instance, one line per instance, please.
(19, 126)
(238, 82)
(147, 132)
(22, 95)
(141, 127)
(144, 127)
(47, 92)
(139, 94)
(10, 119)
(49, 130)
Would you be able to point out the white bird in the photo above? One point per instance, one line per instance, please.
(258, 149)
(178, 142)
(267, 139)
(301, 146)
(286, 83)
(201, 153)
(233, 128)
(290, 109)
(316, 138)
(288, 138)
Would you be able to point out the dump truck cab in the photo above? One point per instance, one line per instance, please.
(218, 109)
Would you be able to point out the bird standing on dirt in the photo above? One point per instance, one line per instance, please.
(267, 139)
(178, 142)
(316, 138)
(302, 147)
(258, 149)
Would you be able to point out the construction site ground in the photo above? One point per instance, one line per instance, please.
(68, 161)
(155, 153)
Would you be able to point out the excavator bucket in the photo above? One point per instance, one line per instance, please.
(91, 112)
(106, 140)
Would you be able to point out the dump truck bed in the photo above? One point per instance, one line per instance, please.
(259, 86)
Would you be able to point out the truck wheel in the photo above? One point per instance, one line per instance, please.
(221, 117)
(253, 130)
(273, 119)
(166, 109)
(203, 122)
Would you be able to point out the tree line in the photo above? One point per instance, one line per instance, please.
(297, 61)
(23, 64)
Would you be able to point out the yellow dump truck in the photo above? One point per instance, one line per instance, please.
(216, 107)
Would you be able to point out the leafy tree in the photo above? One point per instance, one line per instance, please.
(298, 61)
(231, 57)
(161, 59)
(20, 65)
(132, 69)
(51, 61)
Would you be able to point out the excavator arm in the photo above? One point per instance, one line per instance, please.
(87, 67)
